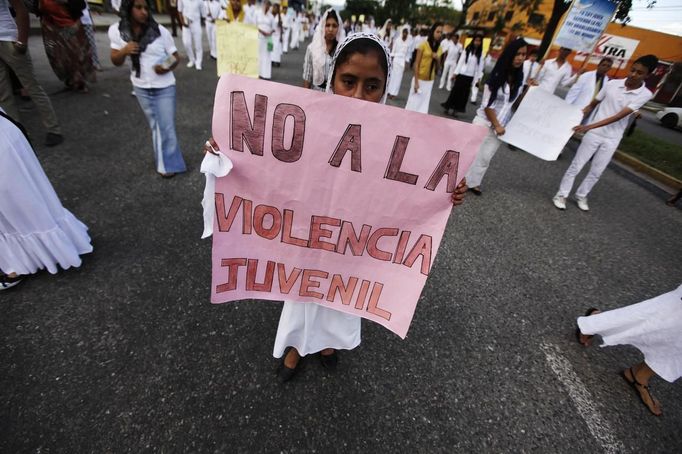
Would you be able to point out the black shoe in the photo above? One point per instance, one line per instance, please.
(7, 282)
(476, 190)
(286, 373)
(329, 362)
(53, 139)
(444, 106)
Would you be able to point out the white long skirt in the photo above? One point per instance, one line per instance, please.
(276, 54)
(419, 102)
(311, 328)
(264, 61)
(396, 77)
(36, 231)
(653, 326)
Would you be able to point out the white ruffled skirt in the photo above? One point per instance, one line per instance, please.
(653, 326)
(36, 231)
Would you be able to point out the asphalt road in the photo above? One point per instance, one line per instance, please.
(126, 354)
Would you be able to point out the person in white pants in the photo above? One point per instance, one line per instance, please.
(191, 12)
(500, 92)
(453, 49)
(214, 12)
(617, 100)
(276, 54)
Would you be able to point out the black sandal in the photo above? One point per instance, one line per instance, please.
(330, 362)
(286, 373)
(7, 282)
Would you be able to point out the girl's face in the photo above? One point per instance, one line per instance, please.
(331, 27)
(140, 12)
(477, 41)
(519, 57)
(438, 33)
(360, 77)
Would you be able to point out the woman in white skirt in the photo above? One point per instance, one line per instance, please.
(654, 327)
(502, 89)
(426, 64)
(360, 68)
(276, 55)
(266, 27)
(36, 231)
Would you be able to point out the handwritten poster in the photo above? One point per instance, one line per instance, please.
(237, 46)
(542, 124)
(332, 200)
(584, 24)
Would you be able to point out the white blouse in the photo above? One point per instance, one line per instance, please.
(156, 51)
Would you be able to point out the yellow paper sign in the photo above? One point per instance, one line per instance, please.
(237, 46)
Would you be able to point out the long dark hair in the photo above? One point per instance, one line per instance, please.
(431, 39)
(332, 15)
(505, 72)
(149, 32)
(475, 50)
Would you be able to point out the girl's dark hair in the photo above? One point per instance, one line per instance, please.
(505, 72)
(363, 46)
(477, 51)
(431, 39)
(332, 15)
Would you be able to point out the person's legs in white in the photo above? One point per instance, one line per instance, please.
(210, 35)
(195, 27)
(451, 71)
(482, 161)
(187, 43)
(587, 148)
(600, 161)
(444, 75)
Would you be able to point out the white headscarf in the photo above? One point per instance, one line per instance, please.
(383, 32)
(344, 43)
(318, 47)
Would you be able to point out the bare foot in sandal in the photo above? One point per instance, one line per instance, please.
(586, 339)
(638, 377)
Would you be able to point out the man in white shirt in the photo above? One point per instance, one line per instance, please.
(14, 55)
(555, 72)
(531, 67)
(589, 84)
(266, 27)
(617, 101)
(191, 12)
(453, 49)
(250, 12)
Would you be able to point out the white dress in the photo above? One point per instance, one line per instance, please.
(36, 231)
(310, 328)
(653, 326)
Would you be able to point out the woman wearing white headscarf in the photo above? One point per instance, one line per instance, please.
(318, 58)
(307, 328)
(387, 33)
(266, 27)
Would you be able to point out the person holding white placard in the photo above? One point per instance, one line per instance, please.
(617, 101)
(500, 92)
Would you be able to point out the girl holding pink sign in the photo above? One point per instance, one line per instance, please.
(361, 69)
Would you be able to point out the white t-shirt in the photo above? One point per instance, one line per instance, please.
(266, 22)
(8, 28)
(454, 49)
(530, 70)
(615, 97)
(502, 105)
(551, 75)
(154, 54)
(192, 10)
(473, 67)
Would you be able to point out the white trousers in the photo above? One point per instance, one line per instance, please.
(264, 61)
(601, 150)
(474, 92)
(419, 102)
(210, 35)
(485, 154)
(191, 39)
(446, 77)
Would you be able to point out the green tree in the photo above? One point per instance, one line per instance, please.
(358, 7)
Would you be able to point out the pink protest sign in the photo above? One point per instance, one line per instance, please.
(331, 200)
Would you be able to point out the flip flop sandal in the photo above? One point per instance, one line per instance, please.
(578, 334)
(632, 381)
